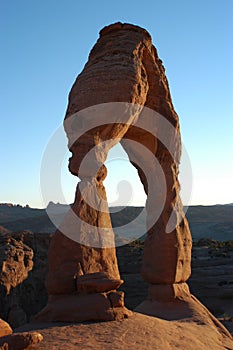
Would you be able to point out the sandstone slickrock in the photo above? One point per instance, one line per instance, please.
(122, 95)
(139, 332)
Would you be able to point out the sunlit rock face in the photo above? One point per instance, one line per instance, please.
(16, 260)
(122, 95)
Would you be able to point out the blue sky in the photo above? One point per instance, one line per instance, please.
(45, 44)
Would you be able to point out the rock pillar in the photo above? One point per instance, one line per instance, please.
(83, 272)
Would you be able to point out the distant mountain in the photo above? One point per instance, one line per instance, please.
(214, 221)
(10, 212)
(17, 218)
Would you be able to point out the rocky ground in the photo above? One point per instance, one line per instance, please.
(211, 280)
(138, 332)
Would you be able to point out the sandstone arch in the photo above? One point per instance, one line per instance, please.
(123, 73)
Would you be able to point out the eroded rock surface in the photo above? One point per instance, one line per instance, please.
(123, 74)
(5, 328)
(24, 266)
(20, 341)
(122, 95)
(17, 341)
(139, 332)
(15, 261)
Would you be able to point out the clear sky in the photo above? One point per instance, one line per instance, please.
(45, 44)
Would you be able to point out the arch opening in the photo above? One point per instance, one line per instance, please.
(126, 197)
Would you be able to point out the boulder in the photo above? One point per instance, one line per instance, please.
(5, 328)
(20, 341)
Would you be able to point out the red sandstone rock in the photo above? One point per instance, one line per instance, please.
(83, 307)
(16, 341)
(5, 328)
(15, 262)
(20, 341)
(123, 74)
(96, 283)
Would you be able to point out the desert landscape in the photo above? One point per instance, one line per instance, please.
(215, 221)
(86, 276)
(23, 292)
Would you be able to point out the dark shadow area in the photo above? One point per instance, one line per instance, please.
(129, 261)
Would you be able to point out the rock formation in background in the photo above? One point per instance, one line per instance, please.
(122, 95)
(23, 262)
(15, 262)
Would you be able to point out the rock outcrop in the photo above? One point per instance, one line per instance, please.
(124, 66)
(122, 95)
(17, 341)
(20, 341)
(5, 329)
(15, 264)
(139, 332)
(23, 261)
(15, 261)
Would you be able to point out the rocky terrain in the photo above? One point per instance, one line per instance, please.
(22, 297)
(138, 332)
(211, 280)
(23, 259)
